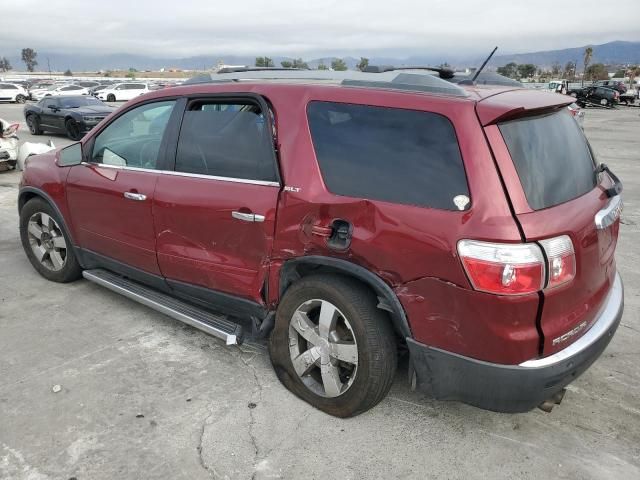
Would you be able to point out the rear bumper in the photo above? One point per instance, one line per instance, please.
(514, 388)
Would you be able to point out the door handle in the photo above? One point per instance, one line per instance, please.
(135, 196)
(247, 217)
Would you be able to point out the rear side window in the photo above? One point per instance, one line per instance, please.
(225, 139)
(389, 154)
(552, 158)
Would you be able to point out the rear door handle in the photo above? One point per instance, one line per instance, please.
(135, 196)
(247, 217)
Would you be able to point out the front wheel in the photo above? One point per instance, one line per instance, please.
(21, 99)
(111, 97)
(73, 129)
(46, 244)
(331, 345)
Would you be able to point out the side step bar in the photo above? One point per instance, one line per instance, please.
(217, 325)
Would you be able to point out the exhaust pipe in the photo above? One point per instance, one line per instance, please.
(552, 401)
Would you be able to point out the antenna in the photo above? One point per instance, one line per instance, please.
(483, 65)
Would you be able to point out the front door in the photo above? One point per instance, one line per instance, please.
(215, 214)
(50, 118)
(110, 197)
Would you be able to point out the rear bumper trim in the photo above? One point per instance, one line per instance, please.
(514, 388)
(606, 318)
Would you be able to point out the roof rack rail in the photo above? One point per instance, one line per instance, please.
(444, 73)
(257, 69)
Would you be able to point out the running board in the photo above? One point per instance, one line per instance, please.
(217, 325)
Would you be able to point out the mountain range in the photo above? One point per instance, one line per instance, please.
(612, 53)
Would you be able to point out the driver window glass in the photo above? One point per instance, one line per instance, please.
(133, 139)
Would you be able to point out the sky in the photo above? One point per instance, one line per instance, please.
(307, 28)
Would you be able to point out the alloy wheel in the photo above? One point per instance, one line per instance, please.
(47, 241)
(323, 349)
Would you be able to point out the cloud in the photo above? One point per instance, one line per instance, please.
(297, 28)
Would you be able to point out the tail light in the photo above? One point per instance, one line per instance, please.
(561, 260)
(503, 268)
(518, 268)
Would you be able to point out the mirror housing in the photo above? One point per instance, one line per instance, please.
(70, 156)
(53, 107)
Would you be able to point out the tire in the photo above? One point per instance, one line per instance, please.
(72, 129)
(34, 125)
(111, 97)
(55, 264)
(573, 94)
(21, 99)
(359, 386)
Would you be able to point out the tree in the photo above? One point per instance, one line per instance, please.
(569, 71)
(299, 63)
(5, 66)
(29, 58)
(132, 70)
(286, 64)
(322, 66)
(131, 75)
(526, 70)
(362, 64)
(597, 71)
(264, 62)
(68, 73)
(338, 65)
(588, 53)
(620, 73)
(509, 70)
(556, 69)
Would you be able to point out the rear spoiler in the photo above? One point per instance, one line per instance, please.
(523, 102)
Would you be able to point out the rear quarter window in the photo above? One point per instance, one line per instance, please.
(552, 158)
(389, 154)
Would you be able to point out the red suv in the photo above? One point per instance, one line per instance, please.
(347, 217)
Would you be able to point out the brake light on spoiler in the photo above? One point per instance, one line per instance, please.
(518, 268)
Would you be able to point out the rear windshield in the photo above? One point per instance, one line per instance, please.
(552, 158)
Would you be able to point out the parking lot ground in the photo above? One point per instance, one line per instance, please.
(144, 397)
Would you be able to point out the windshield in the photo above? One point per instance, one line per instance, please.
(552, 158)
(76, 102)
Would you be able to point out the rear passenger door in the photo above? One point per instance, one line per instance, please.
(215, 212)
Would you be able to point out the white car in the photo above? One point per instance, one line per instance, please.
(57, 90)
(10, 92)
(123, 91)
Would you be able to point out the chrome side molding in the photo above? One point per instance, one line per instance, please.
(609, 214)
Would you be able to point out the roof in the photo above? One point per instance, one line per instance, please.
(412, 80)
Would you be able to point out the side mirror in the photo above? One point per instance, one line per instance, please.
(53, 107)
(70, 156)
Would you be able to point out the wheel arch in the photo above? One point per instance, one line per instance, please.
(29, 193)
(296, 268)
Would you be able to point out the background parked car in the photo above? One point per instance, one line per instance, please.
(596, 95)
(73, 116)
(615, 84)
(86, 83)
(10, 92)
(94, 90)
(59, 90)
(123, 91)
(8, 145)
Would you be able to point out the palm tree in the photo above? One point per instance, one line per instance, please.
(588, 53)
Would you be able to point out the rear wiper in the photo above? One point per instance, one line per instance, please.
(617, 184)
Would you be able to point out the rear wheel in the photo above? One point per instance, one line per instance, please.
(21, 99)
(46, 244)
(111, 97)
(332, 347)
(34, 125)
(73, 129)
